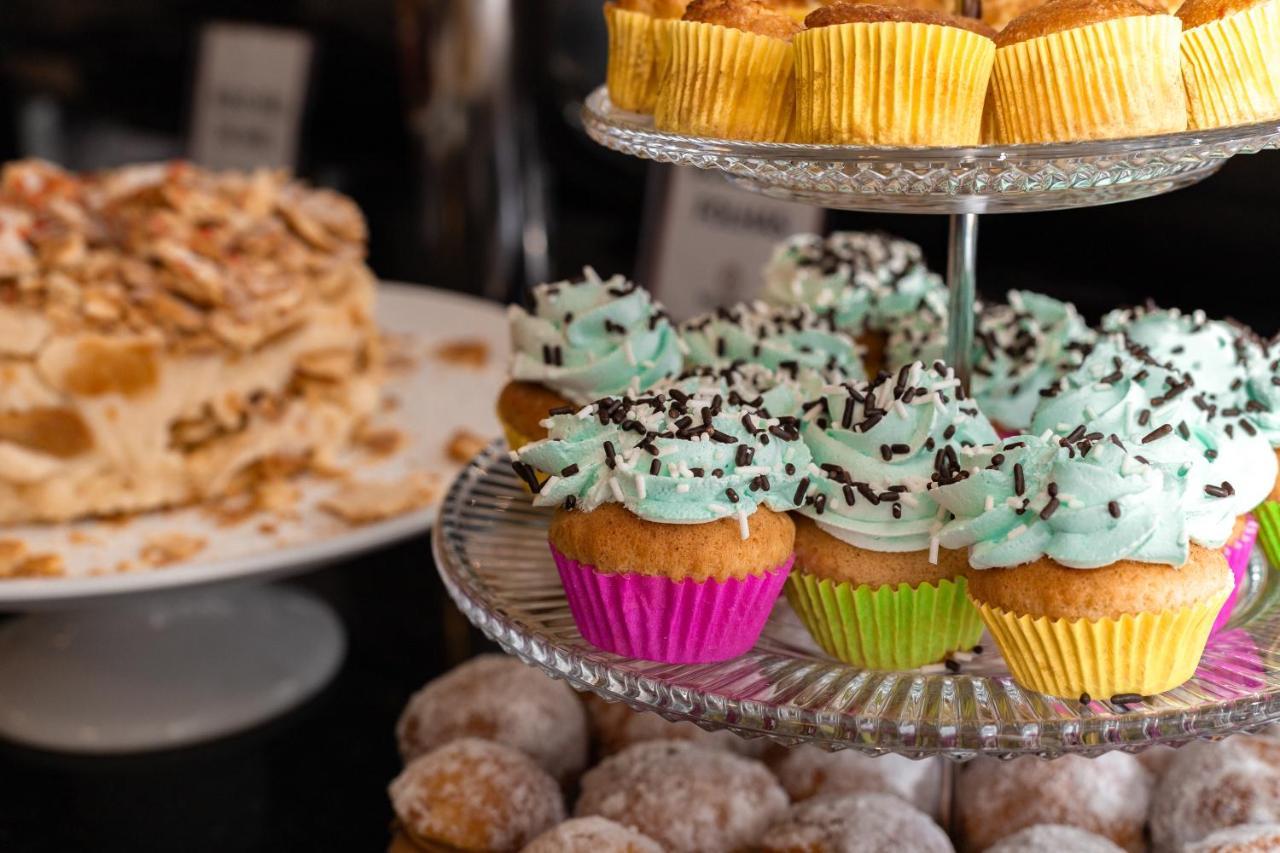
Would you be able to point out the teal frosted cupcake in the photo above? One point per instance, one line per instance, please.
(1205, 348)
(791, 338)
(872, 283)
(582, 340)
(870, 582)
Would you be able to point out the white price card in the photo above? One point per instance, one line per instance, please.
(251, 87)
(706, 241)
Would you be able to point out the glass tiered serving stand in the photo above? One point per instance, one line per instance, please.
(490, 543)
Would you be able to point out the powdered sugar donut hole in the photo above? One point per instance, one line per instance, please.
(1054, 838)
(614, 727)
(807, 771)
(1107, 795)
(1212, 786)
(1250, 838)
(684, 796)
(498, 698)
(474, 794)
(855, 823)
(592, 835)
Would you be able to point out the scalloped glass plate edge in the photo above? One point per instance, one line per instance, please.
(489, 547)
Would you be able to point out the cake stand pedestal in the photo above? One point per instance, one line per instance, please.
(164, 670)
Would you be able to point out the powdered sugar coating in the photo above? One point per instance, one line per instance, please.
(1107, 795)
(476, 795)
(614, 727)
(592, 835)
(1250, 838)
(685, 797)
(1056, 838)
(1212, 786)
(858, 823)
(498, 698)
(807, 771)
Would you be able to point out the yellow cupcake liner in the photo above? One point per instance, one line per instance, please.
(891, 83)
(632, 74)
(1115, 78)
(1147, 653)
(1231, 68)
(726, 83)
(885, 627)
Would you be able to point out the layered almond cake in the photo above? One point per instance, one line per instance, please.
(167, 331)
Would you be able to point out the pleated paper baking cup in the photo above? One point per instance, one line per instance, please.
(660, 619)
(885, 627)
(1147, 653)
(632, 72)
(1237, 551)
(1268, 516)
(891, 83)
(1231, 68)
(1116, 78)
(726, 83)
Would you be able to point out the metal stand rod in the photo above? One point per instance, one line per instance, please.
(962, 262)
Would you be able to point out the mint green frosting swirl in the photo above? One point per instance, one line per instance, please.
(1207, 349)
(1083, 510)
(593, 337)
(871, 281)
(1262, 392)
(670, 457)
(875, 447)
(780, 338)
(776, 393)
(1159, 413)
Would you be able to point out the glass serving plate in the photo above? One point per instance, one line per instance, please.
(491, 550)
(982, 179)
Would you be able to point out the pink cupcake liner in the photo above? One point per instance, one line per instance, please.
(659, 619)
(1004, 432)
(1237, 552)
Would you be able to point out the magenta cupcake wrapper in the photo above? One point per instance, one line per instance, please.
(1237, 552)
(659, 619)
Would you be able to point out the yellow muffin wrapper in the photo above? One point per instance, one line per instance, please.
(1147, 653)
(1116, 78)
(1231, 68)
(885, 627)
(726, 83)
(891, 83)
(632, 72)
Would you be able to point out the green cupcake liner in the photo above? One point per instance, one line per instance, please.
(885, 627)
(1268, 515)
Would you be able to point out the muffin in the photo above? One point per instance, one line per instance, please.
(888, 75)
(1107, 796)
(498, 698)
(688, 799)
(856, 823)
(475, 795)
(1231, 61)
(670, 533)
(870, 583)
(583, 339)
(1034, 512)
(636, 49)
(730, 72)
(1087, 69)
(1213, 786)
(872, 282)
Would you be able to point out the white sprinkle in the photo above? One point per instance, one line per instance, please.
(962, 657)
(513, 455)
(933, 550)
(616, 488)
(933, 668)
(1063, 427)
(640, 487)
(586, 412)
(752, 470)
(937, 403)
(629, 352)
(743, 529)
(1016, 532)
(990, 504)
(716, 507)
(900, 408)
(682, 488)
(682, 346)
(1046, 436)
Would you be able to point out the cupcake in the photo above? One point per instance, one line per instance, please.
(870, 583)
(730, 72)
(791, 338)
(1231, 61)
(1081, 564)
(1087, 69)
(671, 531)
(873, 283)
(583, 339)
(636, 48)
(888, 75)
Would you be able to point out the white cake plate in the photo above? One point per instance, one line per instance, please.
(165, 657)
(491, 550)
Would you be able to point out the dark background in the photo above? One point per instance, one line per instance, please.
(101, 83)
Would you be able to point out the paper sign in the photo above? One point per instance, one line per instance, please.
(706, 241)
(250, 90)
